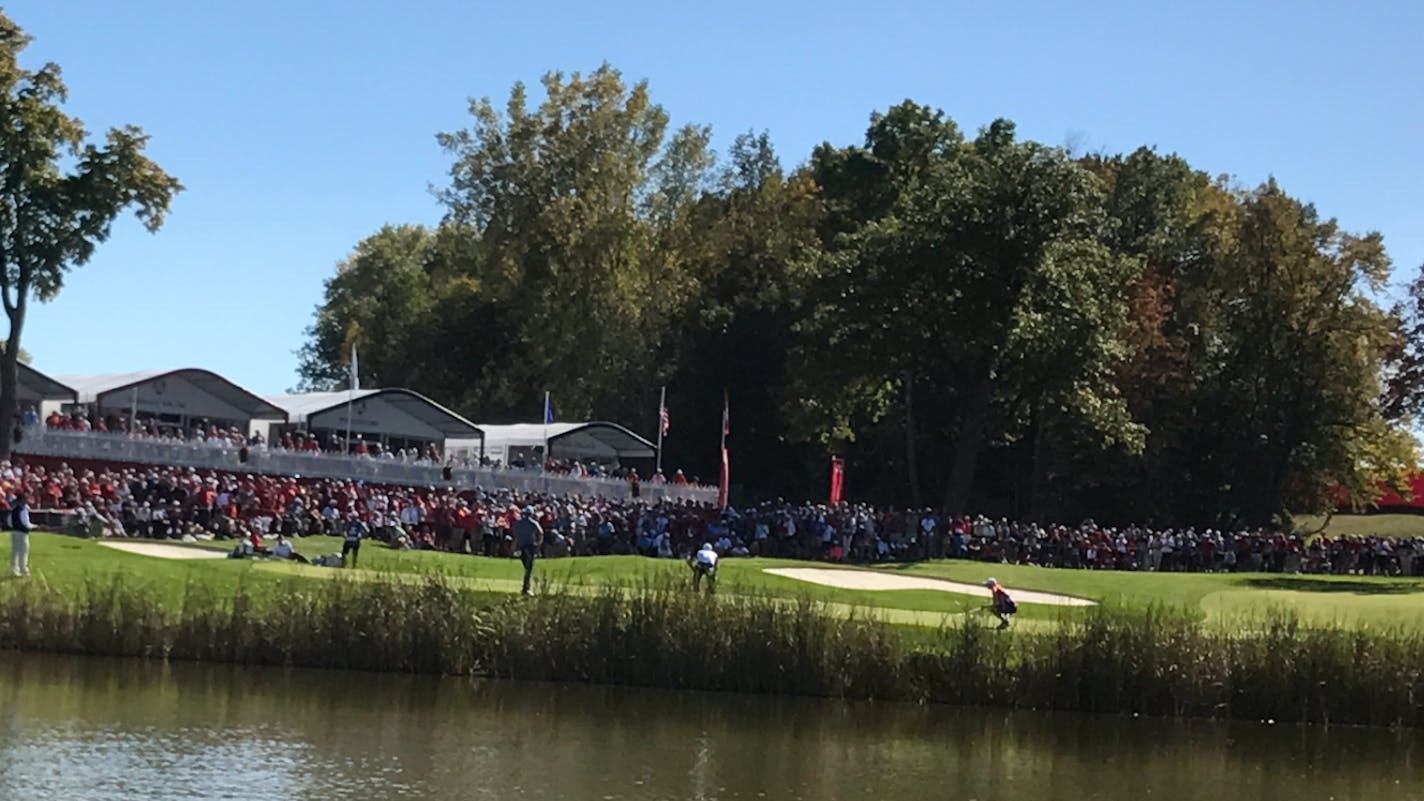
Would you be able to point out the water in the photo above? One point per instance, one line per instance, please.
(102, 729)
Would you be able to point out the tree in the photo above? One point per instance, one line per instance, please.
(1297, 385)
(378, 297)
(983, 281)
(750, 258)
(579, 209)
(60, 194)
(1403, 399)
(25, 357)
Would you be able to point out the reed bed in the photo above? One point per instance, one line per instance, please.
(1156, 662)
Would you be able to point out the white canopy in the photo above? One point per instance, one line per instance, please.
(599, 441)
(399, 413)
(36, 387)
(190, 393)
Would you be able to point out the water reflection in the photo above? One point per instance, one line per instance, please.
(101, 729)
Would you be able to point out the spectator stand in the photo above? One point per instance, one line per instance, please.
(597, 442)
(381, 421)
(184, 399)
(115, 448)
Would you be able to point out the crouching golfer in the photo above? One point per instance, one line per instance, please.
(1002, 605)
(704, 563)
(528, 537)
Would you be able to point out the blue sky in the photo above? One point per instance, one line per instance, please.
(299, 127)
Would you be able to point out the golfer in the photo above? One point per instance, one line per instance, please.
(528, 537)
(20, 536)
(351, 543)
(1002, 605)
(704, 563)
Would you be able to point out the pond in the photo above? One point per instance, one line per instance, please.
(80, 728)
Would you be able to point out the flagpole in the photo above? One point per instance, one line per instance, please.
(350, 396)
(662, 409)
(725, 478)
(546, 429)
(726, 415)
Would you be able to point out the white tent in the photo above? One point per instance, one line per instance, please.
(36, 388)
(399, 414)
(182, 396)
(607, 443)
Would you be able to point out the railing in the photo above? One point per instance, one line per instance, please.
(97, 446)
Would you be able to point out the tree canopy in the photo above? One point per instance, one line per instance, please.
(984, 323)
(59, 194)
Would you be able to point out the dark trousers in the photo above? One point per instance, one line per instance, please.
(352, 547)
(526, 555)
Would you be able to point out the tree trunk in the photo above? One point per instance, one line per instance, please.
(1035, 469)
(9, 383)
(967, 444)
(912, 462)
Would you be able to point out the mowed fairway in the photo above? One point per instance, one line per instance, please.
(68, 562)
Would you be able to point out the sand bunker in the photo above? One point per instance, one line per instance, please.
(162, 551)
(876, 580)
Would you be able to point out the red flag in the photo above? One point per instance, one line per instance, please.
(837, 479)
(724, 480)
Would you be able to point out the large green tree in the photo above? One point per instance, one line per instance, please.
(579, 207)
(59, 194)
(750, 257)
(984, 324)
(1403, 398)
(980, 283)
(375, 303)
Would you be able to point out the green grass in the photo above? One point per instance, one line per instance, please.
(1385, 525)
(1353, 601)
(67, 563)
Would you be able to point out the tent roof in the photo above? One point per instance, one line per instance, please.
(602, 436)
(93, 388)
(301, 407)
(36, 384)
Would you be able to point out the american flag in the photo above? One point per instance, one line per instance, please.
(664, 422)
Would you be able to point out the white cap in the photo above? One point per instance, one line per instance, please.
(989, 582)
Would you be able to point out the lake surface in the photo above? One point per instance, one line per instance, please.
(98, 729)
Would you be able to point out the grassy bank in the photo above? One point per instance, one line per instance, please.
(1108, 660)
(1374, 603)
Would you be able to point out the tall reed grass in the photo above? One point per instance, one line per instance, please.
(1154, 662)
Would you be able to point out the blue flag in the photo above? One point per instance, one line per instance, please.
(548, 410)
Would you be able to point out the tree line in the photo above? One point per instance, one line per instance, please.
(975, 322)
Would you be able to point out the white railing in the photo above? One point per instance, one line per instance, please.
(100, 446)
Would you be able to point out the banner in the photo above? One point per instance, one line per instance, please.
(837, 478)
(724, 480)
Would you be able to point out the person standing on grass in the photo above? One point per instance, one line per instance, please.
(20, 536)
(1001, 605)
(351, 544)
(528, 537)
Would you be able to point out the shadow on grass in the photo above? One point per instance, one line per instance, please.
(1321, 585)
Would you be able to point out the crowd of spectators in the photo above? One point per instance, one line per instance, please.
(862, 534)
(209, 433)
(166, 502)
(177, 502)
